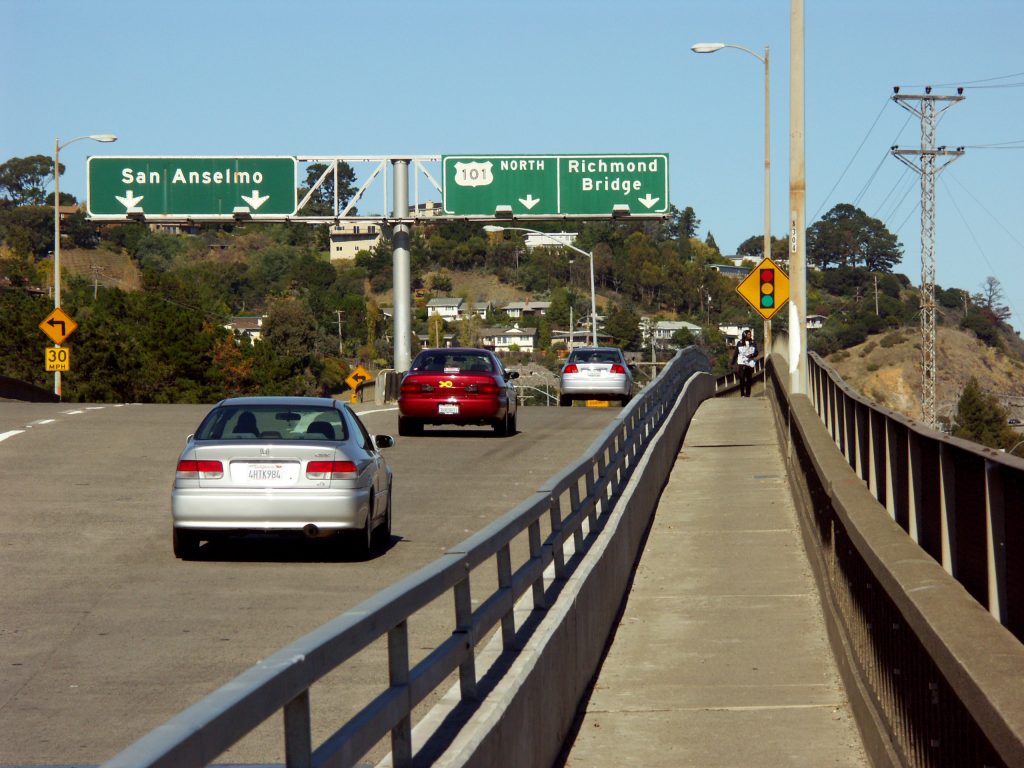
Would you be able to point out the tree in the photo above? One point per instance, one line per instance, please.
(23, 180)
(991, 298)
(846, 237)
(322, 201)
(709, 241)
(753, 247)
(980, 418)
(623, 325)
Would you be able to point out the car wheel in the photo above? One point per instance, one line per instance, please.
(186, 544)
(364, 536)
(514, 426)
(501, 426)
(564, 400)
(408, 427)
(382, 534)
(625, 400)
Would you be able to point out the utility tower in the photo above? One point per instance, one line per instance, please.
(927, 107)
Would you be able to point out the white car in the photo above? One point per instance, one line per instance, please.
(595, 373)
(301, 465)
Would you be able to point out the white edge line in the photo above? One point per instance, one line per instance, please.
(12, 433)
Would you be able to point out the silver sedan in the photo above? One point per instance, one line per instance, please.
(282, 465)
(595, 373)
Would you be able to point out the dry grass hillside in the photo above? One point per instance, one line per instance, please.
(887, 368)
(105, 267)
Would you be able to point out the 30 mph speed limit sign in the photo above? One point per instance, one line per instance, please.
(58, 359)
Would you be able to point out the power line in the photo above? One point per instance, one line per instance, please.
(969, 82)
(829, 195)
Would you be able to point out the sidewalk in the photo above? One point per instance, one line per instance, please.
(721, 657)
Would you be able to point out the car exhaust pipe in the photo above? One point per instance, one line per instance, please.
(311, 531)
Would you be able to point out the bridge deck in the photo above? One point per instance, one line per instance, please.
(721, 657)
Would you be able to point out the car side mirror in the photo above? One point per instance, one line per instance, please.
(189, 438)
(509, 375)
(383, 441)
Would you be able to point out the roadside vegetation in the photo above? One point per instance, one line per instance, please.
(152, 306)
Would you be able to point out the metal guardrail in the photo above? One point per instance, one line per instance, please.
(933, 679)
(558, 518)
(959, 501)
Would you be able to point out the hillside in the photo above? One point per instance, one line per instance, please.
(887, 368)
(105, 267)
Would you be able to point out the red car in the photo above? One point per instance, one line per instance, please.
(456, 387)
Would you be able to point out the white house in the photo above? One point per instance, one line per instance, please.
(732, 333)
(815, 321)
(663, 330)
(448, 307)
(548, 239)
(502, 339)
(250, 326)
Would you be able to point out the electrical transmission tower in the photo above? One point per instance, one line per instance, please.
(925, 107)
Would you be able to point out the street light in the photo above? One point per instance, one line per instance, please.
(767, 247)
(57, 147)
(556, 241)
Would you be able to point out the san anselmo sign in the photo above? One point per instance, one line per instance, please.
(208, 187)
(555, 185)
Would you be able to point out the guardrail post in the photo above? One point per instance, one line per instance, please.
(398, 672)
(995, 536)
(540, 602)
(508, 623)
(464, 626)
(947, 510)
(558, 550)
(915, 486)
(298, 747)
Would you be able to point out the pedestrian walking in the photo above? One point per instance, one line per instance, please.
(744, 358)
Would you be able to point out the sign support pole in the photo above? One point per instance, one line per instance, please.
(401, 267)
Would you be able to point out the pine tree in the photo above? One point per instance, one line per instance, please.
(980, 418)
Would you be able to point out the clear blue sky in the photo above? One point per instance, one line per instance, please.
(549, 76)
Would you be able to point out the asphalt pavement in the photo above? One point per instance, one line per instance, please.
(721, 656)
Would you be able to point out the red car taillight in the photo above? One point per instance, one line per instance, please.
(571, 368)
(415, 388)
(330, 470)
(616, 368)
(488, 388)
(190, 469)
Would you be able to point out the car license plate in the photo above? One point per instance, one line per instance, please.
(265, 473)
(448, 409)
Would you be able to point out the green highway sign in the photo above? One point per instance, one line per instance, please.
(200, 187)
(555, 185)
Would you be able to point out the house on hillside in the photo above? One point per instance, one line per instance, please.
(662, 331)
(249, 326)
(450, 308)
(348, 239)
(517, 310)
(815, 321)
(502, 339)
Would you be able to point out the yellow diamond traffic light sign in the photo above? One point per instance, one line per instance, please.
(766, 288)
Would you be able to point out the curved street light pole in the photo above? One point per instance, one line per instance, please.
(57, 147)
(767, 239)
(593, 294)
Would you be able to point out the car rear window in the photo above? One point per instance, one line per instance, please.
(448, 362)
(272, 422)
(596, 356)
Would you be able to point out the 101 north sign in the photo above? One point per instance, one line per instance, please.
(555, 185)
(204, 187)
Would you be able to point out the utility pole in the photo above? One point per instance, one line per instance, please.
(924, 106)
(341, 346)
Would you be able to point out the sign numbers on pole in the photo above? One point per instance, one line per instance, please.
(58, 359)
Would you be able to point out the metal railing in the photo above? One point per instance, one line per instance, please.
(550, 528)
(932, 678)
(959, 501)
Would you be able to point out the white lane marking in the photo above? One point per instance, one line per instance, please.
(12, 433)
(42, 421)
(95, 407)
(378, 410)
(71, 413)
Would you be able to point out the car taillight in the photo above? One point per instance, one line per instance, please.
(330, 470)
(616, 368)
(488, 388)
(571, 368)
(191, 469)
(415, 387)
